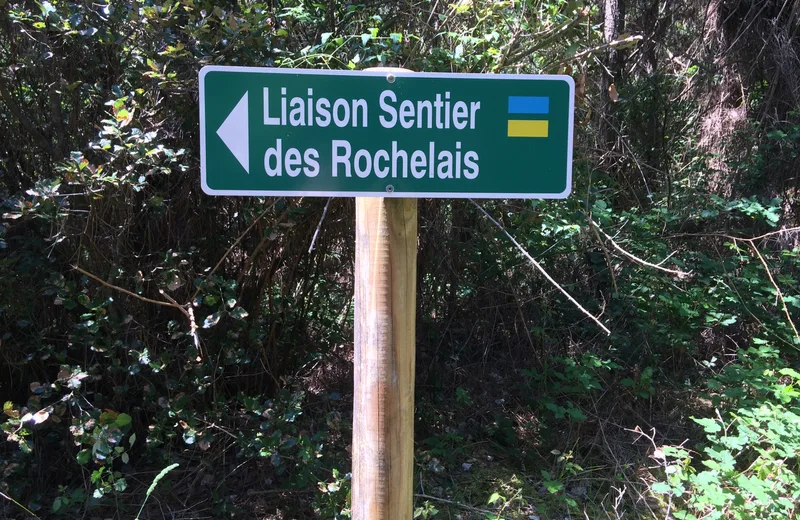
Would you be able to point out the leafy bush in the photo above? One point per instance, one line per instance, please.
(748, 464)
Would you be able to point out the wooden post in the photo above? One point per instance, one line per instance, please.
(385, 320)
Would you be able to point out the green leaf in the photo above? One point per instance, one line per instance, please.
(661, 488)
(123, 419)
(709, 425)
(212, 319)
(83, 457)
(553, 486)
(120, 485)
(789, 372)
(239, 313)
(365, 38)
(494, 498)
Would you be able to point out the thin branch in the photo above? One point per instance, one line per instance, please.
(319, 226)
(189, 314)
(454, 503)
(129, 293)
(18, 504)
(777, 289)
(608, 259)
(257, 250)
(24, 121)
(751, 242)
(629, 41)
(278, 491)
(168, 297)
(681, 274)
(507, 49)
(765, 235)
(539, 267)
(236, 243)
(542, 40)
(731, 237)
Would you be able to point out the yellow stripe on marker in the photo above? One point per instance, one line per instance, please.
(525, 128)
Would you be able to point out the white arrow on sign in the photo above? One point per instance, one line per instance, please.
(235, 133)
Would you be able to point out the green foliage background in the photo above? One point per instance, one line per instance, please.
(144, 324)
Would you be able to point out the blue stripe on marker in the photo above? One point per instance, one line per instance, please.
(528, 105)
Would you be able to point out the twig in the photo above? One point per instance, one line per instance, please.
(454, 503)
(278, 491)
(507, 48)
(236, 243)
(189, 314)
(731, 237)
(193, 327)
(732, 287)
(630, 40)
(257, 250)
(18, 504)
(777, 289)
(129, 293)
(681, 274)
(778, 232)
(319, 226)
(542, 39)
(666, 258)
(637, 430)
(608, 259)
(538, 266)
(751, 242)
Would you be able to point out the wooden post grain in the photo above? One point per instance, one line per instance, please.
(385, 319)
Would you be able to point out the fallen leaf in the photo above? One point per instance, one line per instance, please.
(612, 93)
(580, 89)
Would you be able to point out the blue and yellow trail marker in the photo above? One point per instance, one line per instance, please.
(528, 106)
(280, 132)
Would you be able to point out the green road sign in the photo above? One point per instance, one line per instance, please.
(267, 131)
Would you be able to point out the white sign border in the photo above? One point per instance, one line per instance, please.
(394, 194)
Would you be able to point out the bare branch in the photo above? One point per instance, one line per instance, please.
(319, 226)
(538, 266)
(236, 243)
(608, 259)
(454, 503)
(129, 293)
(680, 274)
(777, 289)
